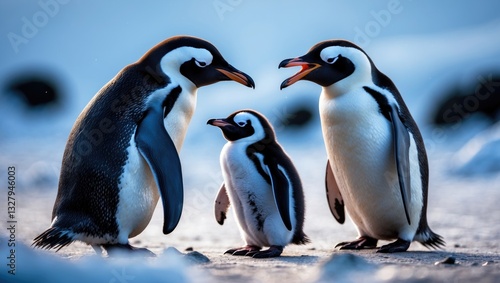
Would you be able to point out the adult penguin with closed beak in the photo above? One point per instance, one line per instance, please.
(122, 153)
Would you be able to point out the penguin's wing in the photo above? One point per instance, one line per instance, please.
(158, 149)
(335, 201)
(221, 205)
(281, 189)
(401, 139)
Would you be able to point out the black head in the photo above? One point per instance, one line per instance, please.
(247, 125)
(195, 59)
(326, 63)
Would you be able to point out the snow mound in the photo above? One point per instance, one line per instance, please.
(346, 268)
(40, 266)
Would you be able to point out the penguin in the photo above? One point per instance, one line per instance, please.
(263, 185)
(122, 152)
(377, 165)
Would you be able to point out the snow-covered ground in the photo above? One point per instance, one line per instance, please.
(422, 46)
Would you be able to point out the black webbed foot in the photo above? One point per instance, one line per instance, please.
(398, 246)
(363, 242)
(273, 251)
(243, 250)
(116, 250)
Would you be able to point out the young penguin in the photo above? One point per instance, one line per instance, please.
(377, 166)
(122, 153)
(261, 183)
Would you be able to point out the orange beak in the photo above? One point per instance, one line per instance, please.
(237, 76)
(306, 69)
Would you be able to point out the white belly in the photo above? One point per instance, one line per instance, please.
(138, 195)
(252, 199)
(359, 144)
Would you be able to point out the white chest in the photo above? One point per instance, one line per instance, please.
(354, 130)
(240, 171)
(177, 121)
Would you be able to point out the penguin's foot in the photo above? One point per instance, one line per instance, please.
(243, 250)
(273, 251)
(363, 242)
(117, 250)
(398, 246)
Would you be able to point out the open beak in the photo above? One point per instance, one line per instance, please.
(306, 69)
(218, 122)
(236, 75)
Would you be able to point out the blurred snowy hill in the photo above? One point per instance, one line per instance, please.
(423, 46)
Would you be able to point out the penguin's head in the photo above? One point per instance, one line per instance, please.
(195, 59)
(329, 62)
(245, 126)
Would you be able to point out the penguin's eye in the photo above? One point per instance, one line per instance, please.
(200, 64)
(331, 60)
(242, 124)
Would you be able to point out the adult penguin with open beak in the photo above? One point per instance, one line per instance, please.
(377, 165)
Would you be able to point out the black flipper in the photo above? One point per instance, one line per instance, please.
(335, 201)
(158, 149)
(402, 154)
(222, 204)
(281, 190)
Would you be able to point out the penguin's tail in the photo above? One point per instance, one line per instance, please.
(53, 238)
(300, 239)
(430, 239)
